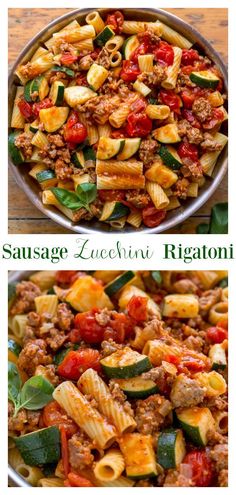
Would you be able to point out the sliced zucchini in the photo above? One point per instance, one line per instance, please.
(77, 159)
(112, 210)
(66, 70)
(34, 126)
(137, 387)
(196, 423)
(205, 79)
(218, 357)
(36, 89)
(125, 363)
(167, 134)
(78, 95)
(131, 147)
(170, 448)
(96, 76)
(118, 283)
(14, 347)
(89, 154)
(104, 36)
(57, 93)
(14, 152)
(53, 118)
(170, 157)
(40, 447)
(47, 179)
(139, 455)
(108, 147)
(129, 46)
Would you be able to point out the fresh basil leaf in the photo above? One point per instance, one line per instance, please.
(219, 219)
(36, 393)
(223, 283)
(202, 228)
(156, 275)
(86, 193)
(67, 198)
(14, 383)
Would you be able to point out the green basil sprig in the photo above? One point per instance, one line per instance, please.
(35, 393)
(218, 221)
(81, 198)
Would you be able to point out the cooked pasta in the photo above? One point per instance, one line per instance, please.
(106, 89)
(110, 467)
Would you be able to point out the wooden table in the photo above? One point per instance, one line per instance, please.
(24, 218)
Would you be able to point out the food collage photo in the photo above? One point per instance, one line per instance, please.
(119, 246)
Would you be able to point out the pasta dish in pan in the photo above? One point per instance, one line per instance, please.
(107, 363)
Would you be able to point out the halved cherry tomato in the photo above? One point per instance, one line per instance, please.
(112, 195)
(66, 277)
(64, 450)
(170, 98)
(54, 415)
(137, 308)
(164, 53)
(119, 328)
(142, 49)
(130, 71)
(90, 330)
(139, 125)
(152, 217)
(76, 362)
(189, 56)
(188, 98)
(217, 334)
(115, 20)
(46, 103)
(202, 469)
(74, 131)
(187, 150)
(68, 58)
(75, 479)
(25, 109)
(190, 117)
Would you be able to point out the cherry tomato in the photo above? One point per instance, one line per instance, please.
(170, 98)
(202, 470)
(119, 133)
(46, 103)
(137, 308)
(142, 49)
(76, 362)
(68, 58)
(54, 415)
(25, 109)
(75, 479)
(138, 106)
(130, 71)
(90, 330)
(119, 328)
(190, 117)
(164, 53)
(74, 131)
(189, 56)
(112, 195)
(152, 217)
(66, 277)
(139, 125)
(115, 20)
(187, 150)
(171, 358)
(192, 364)
(216, 335)
(188, 98)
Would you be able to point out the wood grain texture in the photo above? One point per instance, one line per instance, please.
(24, 218)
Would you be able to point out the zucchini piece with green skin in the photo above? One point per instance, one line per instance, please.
(205, 79)
(170, 448)
(218, 357)
(34, 126)
(118, 283)
(61, 68)
(14, 347)
(137, 387)
(89, 153)
(112, 210)
(223, 283)
(45, 175)
(77, 159)
(125, 363)
(40, 447)
(129, 46)
(57, 93)
(39, 85)
(170, 157)
(108, 147)
(96, 76)
(12, 291)
(131, 147)
(196, 423)
(139, 455)
(14, 152)
(104, 36)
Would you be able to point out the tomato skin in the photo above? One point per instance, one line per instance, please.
(66, 276)
(119, 133)
(46, 103)
(171, 358)
(168, 97)
(76, 362)
(112, 195)
(142, 49)
(74, 131)
(164, 53)
(189, 56)
(25, 109)
(192, 364)
(139, 125)
(137, 308)
(152, 217)
(53, 414)
(138, 105)
(115, 21)
(90, 330)
(187, 150)
(74, 479)
(202, 469)
(188, 98)
(217, 334)
(68, 58)
(130, 71)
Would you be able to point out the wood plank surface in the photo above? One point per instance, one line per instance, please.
(24, 218)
